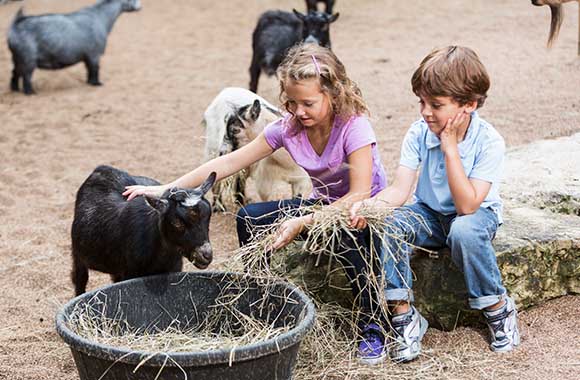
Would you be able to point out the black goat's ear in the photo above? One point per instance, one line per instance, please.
(158, 204)
(255, 110)
(333, 18)
(299, 15)
(206, 186)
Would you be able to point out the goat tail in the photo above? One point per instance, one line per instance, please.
(555, 23)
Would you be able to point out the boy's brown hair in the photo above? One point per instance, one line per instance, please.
(453, 71)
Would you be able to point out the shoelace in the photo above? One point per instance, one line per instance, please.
(497, 322)
(372, 333)
(399, 325)
(372, 337)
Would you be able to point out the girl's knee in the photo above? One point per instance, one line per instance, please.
(249, 211)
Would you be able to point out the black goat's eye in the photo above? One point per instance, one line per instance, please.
(178, 224)
(192, 213)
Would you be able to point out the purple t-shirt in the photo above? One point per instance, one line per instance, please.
(329, 171)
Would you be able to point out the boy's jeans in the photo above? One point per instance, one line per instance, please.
(469, 238)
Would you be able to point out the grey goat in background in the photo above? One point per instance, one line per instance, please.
(55, 41)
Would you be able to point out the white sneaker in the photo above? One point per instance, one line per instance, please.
(408, 330)
(503, 325)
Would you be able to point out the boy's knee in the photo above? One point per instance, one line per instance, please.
(398, 226)
(463, 228)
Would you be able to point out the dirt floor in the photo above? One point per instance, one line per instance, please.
(165, 64)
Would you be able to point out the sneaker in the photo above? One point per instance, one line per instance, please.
(408, 330)
(503, 325)
(371, 349)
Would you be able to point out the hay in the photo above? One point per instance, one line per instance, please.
(225, 192)
(329, 351)
(223, 327)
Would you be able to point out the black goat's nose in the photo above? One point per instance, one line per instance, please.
(208, 255)
(205, 251)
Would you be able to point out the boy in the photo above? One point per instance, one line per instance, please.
(460, 159)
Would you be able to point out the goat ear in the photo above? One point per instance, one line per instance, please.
(206, 186)
(299, 15)
(333, 18)
(158, 204)
(255, 110)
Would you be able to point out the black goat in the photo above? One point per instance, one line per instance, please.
(141, 237)
(55, 41)
(311, 5)
(277, 31)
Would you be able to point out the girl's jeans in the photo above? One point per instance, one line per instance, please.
(356, 265)
(469, 238)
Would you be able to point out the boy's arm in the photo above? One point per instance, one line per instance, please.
(467, 193)
(397, 194)
(394, 195)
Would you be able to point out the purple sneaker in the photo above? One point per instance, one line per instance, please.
(371, 349)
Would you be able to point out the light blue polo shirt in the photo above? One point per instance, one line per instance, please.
(482, 155)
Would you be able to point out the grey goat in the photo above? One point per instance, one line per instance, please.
(55, 41)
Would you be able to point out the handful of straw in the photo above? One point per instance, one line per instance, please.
(324, 236)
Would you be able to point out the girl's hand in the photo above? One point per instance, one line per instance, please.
(136, 190)
(449, 134)
(288, 231)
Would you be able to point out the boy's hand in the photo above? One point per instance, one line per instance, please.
(357, 221)
(449, 134)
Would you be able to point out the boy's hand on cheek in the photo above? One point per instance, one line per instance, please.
(449, 134)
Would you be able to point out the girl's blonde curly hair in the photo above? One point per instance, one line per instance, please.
(311, 61)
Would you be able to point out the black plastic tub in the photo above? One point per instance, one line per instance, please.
(159, 300)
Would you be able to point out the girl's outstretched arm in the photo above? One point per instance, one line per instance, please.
(224, 166)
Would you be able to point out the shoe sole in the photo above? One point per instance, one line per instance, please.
(372, 361)
(404, 359)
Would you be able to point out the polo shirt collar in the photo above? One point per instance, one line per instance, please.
(432, 141)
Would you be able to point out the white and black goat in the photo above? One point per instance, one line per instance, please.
(141, 237)
(235, 117)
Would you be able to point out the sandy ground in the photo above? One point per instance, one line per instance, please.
(164, 65)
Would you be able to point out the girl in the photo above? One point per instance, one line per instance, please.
(327, 134)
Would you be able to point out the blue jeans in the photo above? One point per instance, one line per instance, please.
(469, 238)
(356, 263)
